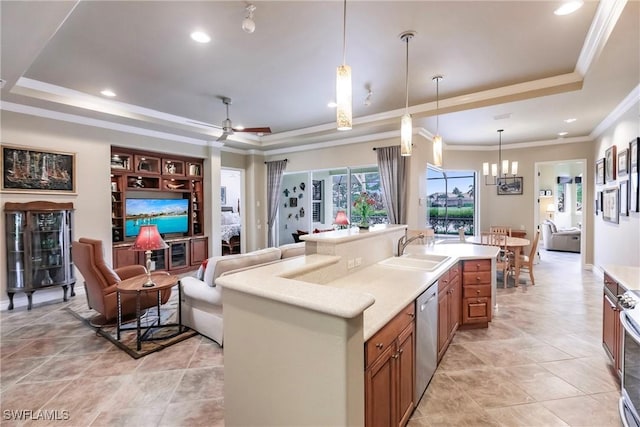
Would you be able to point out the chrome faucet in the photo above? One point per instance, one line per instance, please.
(404, 241)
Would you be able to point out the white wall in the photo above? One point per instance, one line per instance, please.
(617, 243)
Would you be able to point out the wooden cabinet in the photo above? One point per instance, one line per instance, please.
(611, 327)
(449, 296)
(38, 238)
(199, 250)
(390, 372)
(182, 255)
(476, 298)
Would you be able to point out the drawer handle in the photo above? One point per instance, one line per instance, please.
(478, 291)
(411, 315)
(477, 279)
(379, 345)
(395, 356)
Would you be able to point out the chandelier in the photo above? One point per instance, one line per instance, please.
(497, 178)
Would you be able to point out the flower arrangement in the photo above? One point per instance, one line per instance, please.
(364, 205)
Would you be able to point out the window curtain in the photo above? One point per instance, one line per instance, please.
(393, 177)
(275, 171)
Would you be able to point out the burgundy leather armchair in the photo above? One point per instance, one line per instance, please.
(100, 282)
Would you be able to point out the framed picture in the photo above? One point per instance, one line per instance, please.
(600, 171)
(542, 192)
(223, 195)
(624, 198)
(37, 171)
(610, 164)
(293, 202)
(548, 193)
(634, 177)
(509, 186)
(597, 203)
(623, 162)
(600, 197)
(610, 210)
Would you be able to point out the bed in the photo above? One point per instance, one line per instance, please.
(230, 230)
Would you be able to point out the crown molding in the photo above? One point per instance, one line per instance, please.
(520, 145)
(629, 101)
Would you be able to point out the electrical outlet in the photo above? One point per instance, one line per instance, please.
(358, 261)
(350, 264)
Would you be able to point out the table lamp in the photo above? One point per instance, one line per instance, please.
(551, 208)
(341, 219)
(148, 240)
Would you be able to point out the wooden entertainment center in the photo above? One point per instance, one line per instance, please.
(147, 175)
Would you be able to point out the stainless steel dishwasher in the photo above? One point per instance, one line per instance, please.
(426, 338)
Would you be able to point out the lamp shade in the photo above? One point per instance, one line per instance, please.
(343, 97)
(406, 129)
(341, 218)
(437, 150)
(551, 207)
(149, 239)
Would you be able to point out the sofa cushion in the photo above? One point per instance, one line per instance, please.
(218, 265)
(552, 225)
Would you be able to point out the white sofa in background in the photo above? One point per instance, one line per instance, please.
(554, 239)
(202, 298)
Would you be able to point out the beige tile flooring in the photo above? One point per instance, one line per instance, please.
(540, 363)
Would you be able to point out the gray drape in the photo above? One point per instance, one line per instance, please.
(275, 170)
(393, 177)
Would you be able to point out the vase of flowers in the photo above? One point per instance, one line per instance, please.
(364, 205)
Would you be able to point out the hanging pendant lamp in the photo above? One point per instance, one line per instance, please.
(406, 125)
(343, 83)
(503, 165)
(437, 140)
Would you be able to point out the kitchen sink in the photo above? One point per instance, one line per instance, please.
(426, 262)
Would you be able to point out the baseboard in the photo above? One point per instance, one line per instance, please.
(42, 296)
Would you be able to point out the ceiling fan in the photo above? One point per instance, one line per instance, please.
(228, 129)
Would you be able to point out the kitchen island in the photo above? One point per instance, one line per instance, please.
(295, 331)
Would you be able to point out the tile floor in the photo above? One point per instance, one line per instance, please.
(540, 363)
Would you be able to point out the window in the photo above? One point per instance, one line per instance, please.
(451, 201)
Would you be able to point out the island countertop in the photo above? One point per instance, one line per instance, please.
(625, 275)
(379, 290)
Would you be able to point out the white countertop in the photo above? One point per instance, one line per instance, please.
(625, 275)
(350, 234)
(380, 291)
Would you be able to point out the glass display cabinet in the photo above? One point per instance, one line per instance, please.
(39, 236)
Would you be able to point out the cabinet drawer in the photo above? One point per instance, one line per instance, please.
(444, 278)
(476, 278)
(474, 291)
(477, 265)
(454, 270)
(377, 344)
(612, 285)
(476, 310)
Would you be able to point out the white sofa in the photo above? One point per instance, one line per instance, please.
(202, 298)
(566, 240)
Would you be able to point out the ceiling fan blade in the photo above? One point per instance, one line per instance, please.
(254, 130)
(223, 137)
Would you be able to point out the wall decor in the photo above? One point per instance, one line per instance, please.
(610, 210)
(634, 178)
(610, 164)
(301, 212)
(286, 192)
(223, 195)
(578, 182)
(562, 188)
(600, 197)
(542, 192)
(302, 186)
(600, 171)
(624, 198)
(597, 203)
(510, 186)
(27, 170)
(623, 162)
(293, 202)
(548, 193)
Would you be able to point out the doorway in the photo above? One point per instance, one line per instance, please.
(560, 191)
(231, 219)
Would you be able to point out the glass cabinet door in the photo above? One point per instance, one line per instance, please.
(47, 244)
(15, 226)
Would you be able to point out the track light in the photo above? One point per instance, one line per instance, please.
(248, 25)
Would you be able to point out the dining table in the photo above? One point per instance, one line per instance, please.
(513, 244)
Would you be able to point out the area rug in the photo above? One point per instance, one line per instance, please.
(162, 337)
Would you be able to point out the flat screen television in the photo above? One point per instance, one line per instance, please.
(170, 215)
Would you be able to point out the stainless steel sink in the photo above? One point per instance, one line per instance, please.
(425, 262)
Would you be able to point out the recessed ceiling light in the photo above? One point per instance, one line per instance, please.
(200, 37)
(571, 120)
(569, 7)
(108, 92)
(563, 133)
(332, 105)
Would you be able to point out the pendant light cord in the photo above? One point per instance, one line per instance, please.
(406, 79)
(500, 152)
(344, 33)
(437, 106)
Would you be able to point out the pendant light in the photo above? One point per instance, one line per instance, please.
(502, 164)
(406, 126)
(343, 82)
(437, 140)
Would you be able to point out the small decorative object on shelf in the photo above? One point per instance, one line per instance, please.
(364, 206)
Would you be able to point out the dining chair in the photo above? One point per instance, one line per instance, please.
(526, 261)
(505, 257)
(503, 229)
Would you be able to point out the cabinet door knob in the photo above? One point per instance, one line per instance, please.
(400, 351)
(411, 314)
(478, 291)
(395, 356)
(477, 279)
(379, 345)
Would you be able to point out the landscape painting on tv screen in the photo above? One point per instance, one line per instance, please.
(170, 215)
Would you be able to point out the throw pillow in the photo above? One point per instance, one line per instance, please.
(203, 267)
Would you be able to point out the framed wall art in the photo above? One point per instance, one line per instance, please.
(610, 164)
(510, 186)
(223, 195)
(600, 171)
(623, 162)
(610, 210)
(634, 177)
(26, 170)
(624, 198)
